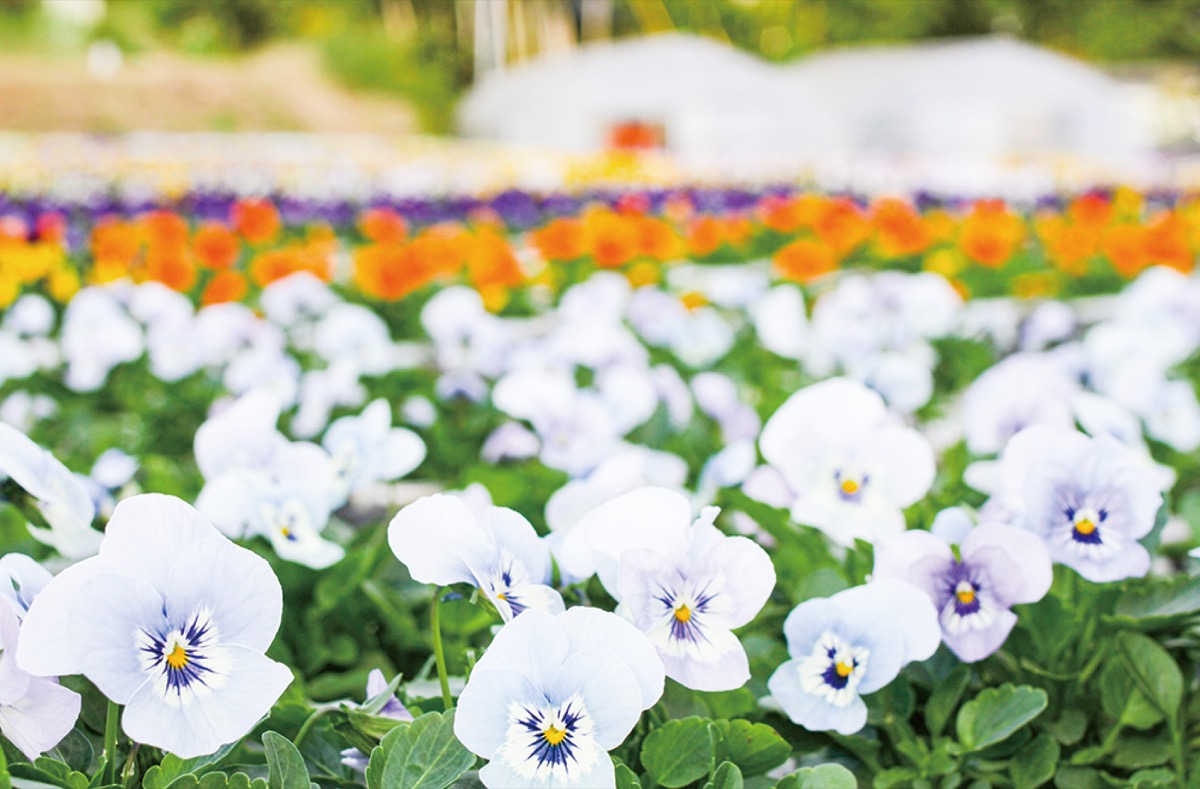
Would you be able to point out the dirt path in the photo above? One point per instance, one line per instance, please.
(279, 88)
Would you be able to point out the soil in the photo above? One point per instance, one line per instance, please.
(278, 88)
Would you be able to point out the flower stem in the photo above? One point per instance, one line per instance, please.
(111, 724)
(439, 654)
(311, 721)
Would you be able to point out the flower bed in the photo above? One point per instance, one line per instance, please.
(657, 488)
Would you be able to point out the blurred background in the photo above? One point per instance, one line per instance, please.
(868, 94)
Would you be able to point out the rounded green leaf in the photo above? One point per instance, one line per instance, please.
(287, 770)
(1034, 764)
(753, 747)
(423, 754)
(996, 713)
(825, 776)
(1154, 671)
(727, 776)
(679, 752)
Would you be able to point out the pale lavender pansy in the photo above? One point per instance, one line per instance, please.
(850, 645)
(1089, 499)
(59, 496)
(553, 694)
(172, 621)
(997, 566)
(852, 466)
(683, 583)
(36, 713)
(442, 541)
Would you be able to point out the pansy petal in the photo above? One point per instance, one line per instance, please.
(515, 534)
(402, 453)
(747, 576)
(152, 525)
(438, 540)
(891, 603)
(610, 692)
(47, 648)
(107, 620)
(652, 518)
(533, 644)
(41, 718)
(251, 683)
(236, 586)
(1024, 573)
(481, 719)
(593, 629)
(810, 710)
(728, 668)
(917, 557)
(976, 644)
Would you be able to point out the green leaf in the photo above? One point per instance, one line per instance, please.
(1069, 728)
(679, 752)
(1121, 699)
(1154, 671)
(626, 778)
(944, 698)
(423, 754)
(49, 771)
(1034, 764)
(1133, 753)
(727, 776)
(825, 776)
(996, 713)
(1160, 604)
(287, 770)
(753, 747)
(1079, 778)
(1151, 779)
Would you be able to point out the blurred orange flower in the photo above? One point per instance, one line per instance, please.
(841, 224)
(215, 246)
(991, 233)
(383, 225)
(614, 238)
(804, 260)
(256, 219)
(1125, 246)
(225, 286)
(901, 231)
(560, 240)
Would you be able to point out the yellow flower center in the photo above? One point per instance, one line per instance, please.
(849, 487)
(1085, 526)
(683, 613)
(554, 735)
(693, 300)
(844, 669)
(178, 657)
(501, 596)
(965, 596)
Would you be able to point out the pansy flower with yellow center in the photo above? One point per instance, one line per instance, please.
(849, 645)
(997, 566)
(443, 541)
(172, 621)
(684, 584)
(852, 466)
(553, 694)
(1089, 499)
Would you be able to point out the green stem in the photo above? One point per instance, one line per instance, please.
(111, 724)
(312, 721)
(5, 778)
(1180, 756)
(439, 655)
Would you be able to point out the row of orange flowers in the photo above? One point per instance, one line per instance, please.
(806, 236)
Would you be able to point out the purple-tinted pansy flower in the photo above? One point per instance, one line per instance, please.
(997, 567)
